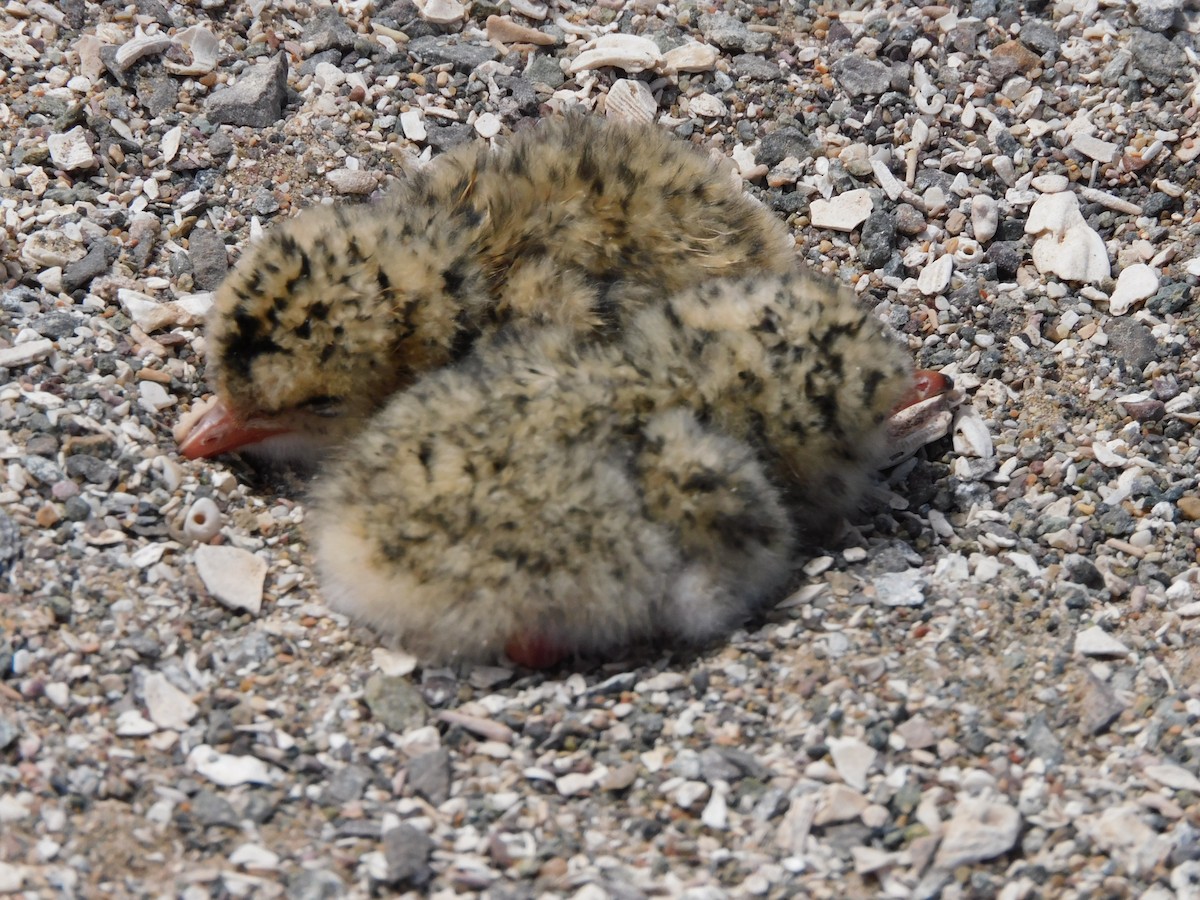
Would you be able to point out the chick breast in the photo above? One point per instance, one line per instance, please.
(599, 495)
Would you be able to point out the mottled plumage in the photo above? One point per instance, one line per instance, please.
(574, 222)
(582, 497)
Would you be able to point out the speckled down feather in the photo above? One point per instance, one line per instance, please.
(574, 222)
(600, 495)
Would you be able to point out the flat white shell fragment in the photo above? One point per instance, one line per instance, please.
(630, 101)
(622, 51)
(690, 57)
(233, 576)
(845, 212)
(1135, 283)
(1067, 246)
(71, 151)
(1095, 641)
(228, 770)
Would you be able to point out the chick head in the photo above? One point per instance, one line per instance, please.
(319, 323)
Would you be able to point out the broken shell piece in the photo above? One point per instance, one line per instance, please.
(622, 51)
(170, 143)
(1067, 246)
(71, 151)
(203, 47)
(985, 217)
(506, 31)
(630, 101)
(690, 57)
(707, 106)
(441, 12)
(971, 435)
(1135, 283)
(140, 45)
(203, 521)
(935, 277)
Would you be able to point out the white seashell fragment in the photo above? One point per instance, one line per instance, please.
(1094, 148)
(488, 125)
(441, 12)
(506, 31)
(15, 45)
(971, 435)
(968, 253)
(622, 51)
(233, 576)
(203, 521)
(530, 10)
(228, 770)
(1095, 641)
(71, 151)
(1067, 247)
(138, 46)
(630, 101)
(690, 57)
(351, 181)
(203, 46)
(935, 277)
(707, 106)
(413, 125)
(985, 217)
(50, 247)
(170, 143)
(1136, 282)
(845, 212)
(167, 705)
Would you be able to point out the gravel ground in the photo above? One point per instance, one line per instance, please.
(989, 687)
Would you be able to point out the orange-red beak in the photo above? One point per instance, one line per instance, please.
(926, 384)
(221, 431)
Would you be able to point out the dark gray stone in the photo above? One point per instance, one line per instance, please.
(315, 884)
(730, 33)
(158, 93)
(1132, 343)
(730, 764)
(428, 776)
(860, 76)
(326, 30)
(1160, 60)
(256, 99)
(446, 137)
(1005, 256)
(878, 239)
(395, 702)
(345, 785)
(545, 70)
(756, 68)
(407, 852)
(91, 469)
(522, 92)
(43, 470)
(76, 509)
(1099, 706)
(213, 809)
(210, 260)
(779, 145)
(1040, 37)
(8, 734)
(1171, 298)
(80, 273)
(435, 49)
(1158, 15)
(58, 323)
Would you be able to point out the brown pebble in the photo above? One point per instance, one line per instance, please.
(1189, 508)
(47, 516)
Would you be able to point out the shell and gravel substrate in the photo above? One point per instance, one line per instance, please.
(989, 687)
